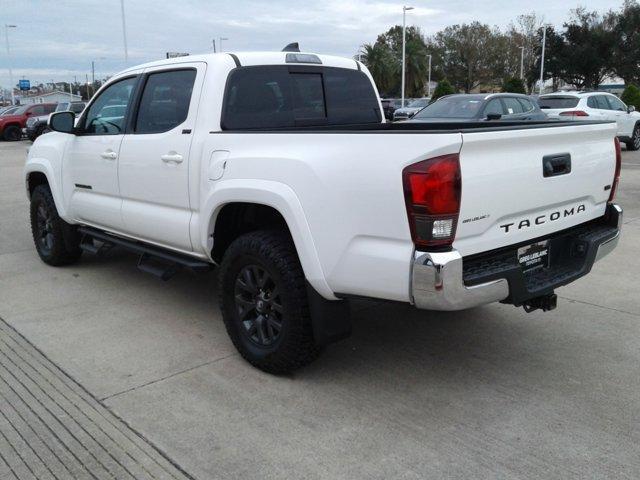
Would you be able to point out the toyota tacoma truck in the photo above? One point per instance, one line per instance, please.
(279, 169)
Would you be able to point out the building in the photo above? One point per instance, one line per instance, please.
(56, 96)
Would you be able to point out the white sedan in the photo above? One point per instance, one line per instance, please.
(595, 106)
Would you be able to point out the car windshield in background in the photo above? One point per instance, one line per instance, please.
(455, 107)
(419, 103)
(557, 102)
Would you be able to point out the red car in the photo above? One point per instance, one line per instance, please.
(11, 125)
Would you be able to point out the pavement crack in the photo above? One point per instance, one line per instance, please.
(109, 397)
(601, 306)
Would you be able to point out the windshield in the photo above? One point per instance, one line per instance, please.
(558, 102)
(419, 103)
(9, 111)
(21, 110)
(62, 107)
(455, 107)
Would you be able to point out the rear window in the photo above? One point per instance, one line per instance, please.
(281, 96)
(558, 102)
(453, 107)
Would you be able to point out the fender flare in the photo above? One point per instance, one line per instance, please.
(41, 165)
(283, 199)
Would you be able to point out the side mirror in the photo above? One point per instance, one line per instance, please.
(631, 109)
(494, 116)
(62, 122)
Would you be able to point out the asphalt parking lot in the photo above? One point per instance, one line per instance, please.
(489, 393)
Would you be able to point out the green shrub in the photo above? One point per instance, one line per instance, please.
(631, 96)
(513, 85)
(443, 88)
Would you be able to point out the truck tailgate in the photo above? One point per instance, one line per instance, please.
(507, 198)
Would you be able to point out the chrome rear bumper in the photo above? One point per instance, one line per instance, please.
(437, 277)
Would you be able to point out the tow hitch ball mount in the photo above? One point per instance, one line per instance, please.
(544, 303)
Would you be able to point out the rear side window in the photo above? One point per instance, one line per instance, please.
(512, 105)
(280, 97)
(527, 106)
(601, 102)
(165, 101)
(558, 102)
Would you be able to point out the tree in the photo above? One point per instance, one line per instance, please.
(513, 85)
(631, 96)
(467, 53)
(380, 62)
(443, 88)
(625, 55)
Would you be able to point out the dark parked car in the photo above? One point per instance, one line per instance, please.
(481, 107)
(411, 109)
(389, 106)
(36, 126)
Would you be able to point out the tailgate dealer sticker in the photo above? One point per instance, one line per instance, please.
(534, 256)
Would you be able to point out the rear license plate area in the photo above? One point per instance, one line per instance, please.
(534, 257)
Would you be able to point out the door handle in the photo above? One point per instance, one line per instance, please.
(171, 157)
(554, 165)
(109, 155)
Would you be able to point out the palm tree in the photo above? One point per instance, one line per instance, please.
(416, 67)
(381, 63)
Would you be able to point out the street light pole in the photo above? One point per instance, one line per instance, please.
(214, 45)
(522, 63)
(124, 33)
(544, 42)
(429, 81)
(220, 42)
(6, 37)
(404, 41)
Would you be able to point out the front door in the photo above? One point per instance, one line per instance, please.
(154, 157)
(91, 161)
(626, 122)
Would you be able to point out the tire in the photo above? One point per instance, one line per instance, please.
(634, 143)
(12, 133)
(57, 242)
(264, 302)
(39, 131)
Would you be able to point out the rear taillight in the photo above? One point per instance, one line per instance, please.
(616, 177)
(574, 113)
(432, 195)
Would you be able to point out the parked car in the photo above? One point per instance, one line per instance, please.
(11, 125)
(390, 105)
(595, 106)
(481, 107)
(278, 168)
(411, 109)
(36, 126)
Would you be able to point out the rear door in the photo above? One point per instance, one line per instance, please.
(153, 168)
(508, 197)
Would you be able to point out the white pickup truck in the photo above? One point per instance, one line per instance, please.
(279, 168)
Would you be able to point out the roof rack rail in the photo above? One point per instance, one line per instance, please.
(292, 47)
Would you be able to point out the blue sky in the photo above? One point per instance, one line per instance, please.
(57, 39)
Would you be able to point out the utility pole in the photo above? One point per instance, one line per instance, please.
(124, 33)
(429, 81)
(404, 41)
(522, 63)
(93, 72)
(6, 37)
(544, 42)
(214, 45)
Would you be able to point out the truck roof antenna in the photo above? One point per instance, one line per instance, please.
(292, 47)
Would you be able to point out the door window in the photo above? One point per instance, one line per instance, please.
(494, 106)
(601, 102)
(106, 115)
(527, 106)
(37, 111)
(165, 101)
(512, 105)
(615, 103)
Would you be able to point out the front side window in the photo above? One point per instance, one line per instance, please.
(49, 108)
(37, 111)
(165, 101)
(527, 106)
(494, 107)
(615, 103)
(106, 115)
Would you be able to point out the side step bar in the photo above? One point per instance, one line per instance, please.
(154, 260)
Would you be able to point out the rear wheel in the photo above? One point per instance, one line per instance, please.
(12, 133)
(57, 242)
(264, 302)
(634, 143)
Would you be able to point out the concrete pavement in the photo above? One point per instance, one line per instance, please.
(488, 393)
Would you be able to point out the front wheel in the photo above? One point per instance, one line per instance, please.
(634, 143)
(264, 302)
(12, 133)
(57, 242)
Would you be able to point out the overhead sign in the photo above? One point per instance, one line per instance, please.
(24, 84)
(176, 54)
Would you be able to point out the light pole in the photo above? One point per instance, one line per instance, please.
(429, 81)
(214, 44)
(404, 41)
(544, 42)
(522, 63)
(220, 42)
(6, 37)
(124, 33)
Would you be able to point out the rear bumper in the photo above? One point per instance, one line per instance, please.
(447, 281)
